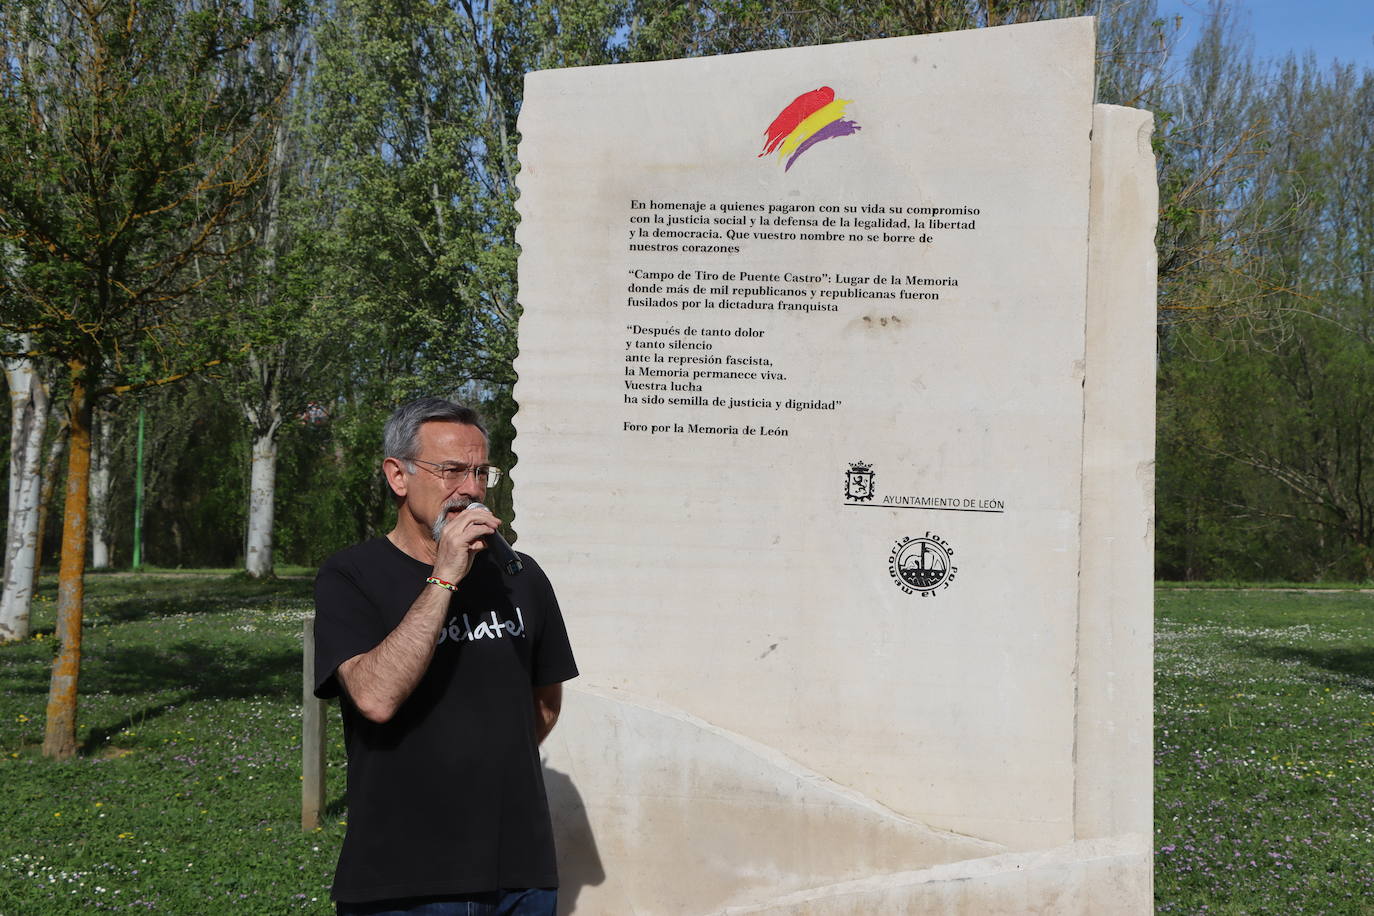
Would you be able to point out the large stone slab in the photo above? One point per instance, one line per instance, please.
(1115, 672)
(814, 446)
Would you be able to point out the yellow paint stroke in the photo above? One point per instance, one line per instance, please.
(814, 122)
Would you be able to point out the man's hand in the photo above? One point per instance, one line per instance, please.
(461, 540)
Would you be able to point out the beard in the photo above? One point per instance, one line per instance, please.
(458, 503)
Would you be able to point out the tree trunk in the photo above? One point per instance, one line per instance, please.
(261, 498)
(100, 489)
(28, 420)
(59, 740)
(22, 378)
(263, 406)
(49, 474)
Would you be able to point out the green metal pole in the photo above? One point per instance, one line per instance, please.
(138, 496)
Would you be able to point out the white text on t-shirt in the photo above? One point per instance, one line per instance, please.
(497, 629)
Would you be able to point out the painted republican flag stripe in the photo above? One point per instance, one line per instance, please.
(833, 129)
(803, 132)
(810, 118)
(801, 108)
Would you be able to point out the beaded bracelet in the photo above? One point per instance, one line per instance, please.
(441, 583)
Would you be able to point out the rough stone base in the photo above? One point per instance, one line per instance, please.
(659, 812)
(1094, 876)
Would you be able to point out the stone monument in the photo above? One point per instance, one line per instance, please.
(835, 435)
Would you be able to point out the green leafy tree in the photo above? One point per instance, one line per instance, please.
(414, 111)
(667, 28)
(1266, 435)
(133, 140)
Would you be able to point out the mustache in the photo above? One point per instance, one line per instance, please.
(458, 503)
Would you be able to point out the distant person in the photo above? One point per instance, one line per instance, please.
(450, 674)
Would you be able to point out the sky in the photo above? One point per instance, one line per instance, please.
(1332, 29)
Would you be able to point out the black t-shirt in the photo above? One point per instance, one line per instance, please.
(448, 796)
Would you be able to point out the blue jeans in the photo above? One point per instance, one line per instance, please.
(538, 901)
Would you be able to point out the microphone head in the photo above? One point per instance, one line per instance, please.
(500, 552)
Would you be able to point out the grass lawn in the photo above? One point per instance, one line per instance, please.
(186, 799)
(1264, 752)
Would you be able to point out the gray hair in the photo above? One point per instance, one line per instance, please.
(401, 436)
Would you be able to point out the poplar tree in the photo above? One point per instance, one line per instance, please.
(413, 120)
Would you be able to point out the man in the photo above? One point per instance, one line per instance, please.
(449, 672)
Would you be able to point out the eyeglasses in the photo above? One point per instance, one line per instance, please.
(454, 474)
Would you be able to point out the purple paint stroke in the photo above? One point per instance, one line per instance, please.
(839, 128)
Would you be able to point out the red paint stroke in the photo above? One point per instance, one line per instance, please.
(833, 129)
(802, 107)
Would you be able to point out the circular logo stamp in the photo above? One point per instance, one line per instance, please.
(922, 565)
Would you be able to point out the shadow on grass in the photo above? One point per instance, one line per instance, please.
(192, 673)
(1355, 667)
(206, 672)
(160, 677)
(97, 738)
(123, 597)
(164, 598)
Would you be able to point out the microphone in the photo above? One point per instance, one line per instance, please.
(501, 552)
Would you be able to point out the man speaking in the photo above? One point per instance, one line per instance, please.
(450, 670)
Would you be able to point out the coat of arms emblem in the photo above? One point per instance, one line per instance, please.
(858, 482)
